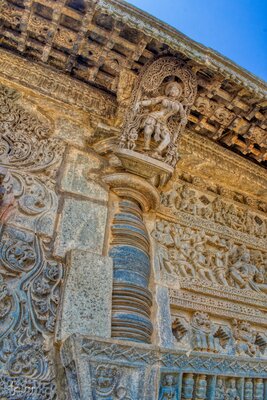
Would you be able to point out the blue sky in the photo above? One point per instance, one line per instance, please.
(235, 28)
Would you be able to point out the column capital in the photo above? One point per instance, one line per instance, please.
(131, 186)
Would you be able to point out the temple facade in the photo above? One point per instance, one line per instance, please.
(133, 206)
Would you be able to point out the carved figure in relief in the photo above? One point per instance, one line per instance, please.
(106, 384)
(221, 259)
(245, 338)
(199, 262)
(155, 123)
(160, 103)
(164, 238)
(181, 256)
(188, 200)
(168, 389)
(231, 391)
(191, 201)
(245, 275)
(202, 333)
(220, 390)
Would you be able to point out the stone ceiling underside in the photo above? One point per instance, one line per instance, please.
(94, 41)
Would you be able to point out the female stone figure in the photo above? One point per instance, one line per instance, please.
(220, 390)
(155, 122)
(231, 392)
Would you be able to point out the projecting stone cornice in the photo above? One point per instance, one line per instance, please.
(178, 41)
(206, 158)
(56, 85)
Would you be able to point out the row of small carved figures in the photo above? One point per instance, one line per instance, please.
(219, 211)
(192, 253)
(217, 190)
(197, 386)
(201, 334)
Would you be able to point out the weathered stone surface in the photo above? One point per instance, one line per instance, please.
(188, 243)
(164, 321)
(81, 225)
(78, 176)
(86, 306)
(71, 132)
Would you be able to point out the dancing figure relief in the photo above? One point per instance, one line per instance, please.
(160, 103)
(154, 123)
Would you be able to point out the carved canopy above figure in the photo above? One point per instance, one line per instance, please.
(160, 103)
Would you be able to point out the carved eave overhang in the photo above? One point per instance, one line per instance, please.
(103, 44)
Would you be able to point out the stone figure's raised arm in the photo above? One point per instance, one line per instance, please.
(148, 102)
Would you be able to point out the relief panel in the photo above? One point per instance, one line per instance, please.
(30, 278)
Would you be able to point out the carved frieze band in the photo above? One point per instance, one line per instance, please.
(209, 363)
(212, 227)
(229, 293)
(205, 149)
(170, 36)
(187, 300)
(56, 85)
(120, 371)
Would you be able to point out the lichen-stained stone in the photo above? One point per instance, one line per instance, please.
(79, 174)
(86, 305)
(82, 226)
(71, 132)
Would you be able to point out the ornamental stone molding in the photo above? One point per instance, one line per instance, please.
(133, 210)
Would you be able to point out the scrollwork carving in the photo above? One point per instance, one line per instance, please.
(20, 388)
(31, 156)
(29, 278)
(30, 283)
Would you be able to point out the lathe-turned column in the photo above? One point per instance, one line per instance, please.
(130, 250)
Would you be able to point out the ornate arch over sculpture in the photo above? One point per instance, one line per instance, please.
(159, 107)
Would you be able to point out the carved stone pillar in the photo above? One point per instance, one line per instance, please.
(248, 390)
(188, 387)
(201, 388)
(259, 389)
(130, 248)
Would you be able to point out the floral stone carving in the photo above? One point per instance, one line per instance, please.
(30, 278)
